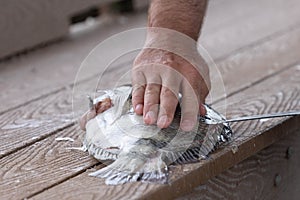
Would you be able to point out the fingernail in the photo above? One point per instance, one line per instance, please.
(139, 109)
(149, 118)
(162, 121)
(187, 125)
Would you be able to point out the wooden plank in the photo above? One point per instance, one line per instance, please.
(251, 65)
(39, 80)
(42, 165)
(245, 22)
(273, 173)
(45, 108)
(42, 101)
(34, 121)
(249, 138)
(46, 70)
(51, 69)
(46, 116)
(262, 61)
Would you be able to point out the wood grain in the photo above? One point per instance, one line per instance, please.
(254, 178)
(251, 65)
(38, 82)
(48, 70)
(42, 165)
(34, 121)
(249, 138)
(49, 113)
(268, 55)
(44, 108)
(244, 23)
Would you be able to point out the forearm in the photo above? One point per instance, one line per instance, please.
(185, 16)
(170, 64)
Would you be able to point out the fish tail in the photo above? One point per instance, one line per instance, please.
(131, 167)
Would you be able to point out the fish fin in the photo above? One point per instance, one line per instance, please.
(119, 99)
(129, 168)
(101, 154)
(216, 135)
(189, 156)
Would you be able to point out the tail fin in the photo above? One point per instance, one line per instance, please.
(133, 166)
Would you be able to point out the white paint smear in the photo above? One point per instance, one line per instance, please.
(264, 120)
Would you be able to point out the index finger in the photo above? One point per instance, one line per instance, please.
(138, 91)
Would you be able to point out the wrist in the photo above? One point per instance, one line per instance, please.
(171, 41)
(184, 16)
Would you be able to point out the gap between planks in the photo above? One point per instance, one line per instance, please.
(217, 31)
(269, 49)
(150, 189)
(219, 60)
(185, 177)
(256, 175)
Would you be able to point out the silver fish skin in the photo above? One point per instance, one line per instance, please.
(143, 152)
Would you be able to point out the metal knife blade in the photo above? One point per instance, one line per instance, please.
(257, 117)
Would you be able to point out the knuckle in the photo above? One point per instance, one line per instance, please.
(189, 114)
(149, 104)
(168, 109)
(138, 90)
(168, 93)
(137, 97)
(137, 100)
(152, 89)
(137, 78)
(190, 105)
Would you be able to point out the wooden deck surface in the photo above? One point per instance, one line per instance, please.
(255, 45)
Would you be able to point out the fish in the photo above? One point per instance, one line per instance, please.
(142, 152)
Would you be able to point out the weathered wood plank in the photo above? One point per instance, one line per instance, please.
(42, 164)
(30, 134)
(251, 65)
(34, 121)
(50, 69)
(255, 177)
(15, 155)
(46, 116)
(262, 60)
(249, 138)
(245, 22)
(47, 70)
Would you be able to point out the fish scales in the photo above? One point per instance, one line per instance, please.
(143, 152)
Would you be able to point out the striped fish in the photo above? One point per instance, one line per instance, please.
(144, 152)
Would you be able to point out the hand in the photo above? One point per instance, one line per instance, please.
(90, 114)
(158, 76)
(100, 107)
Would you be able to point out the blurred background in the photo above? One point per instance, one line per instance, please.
(27, 24)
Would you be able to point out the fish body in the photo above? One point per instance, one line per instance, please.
(143, 152)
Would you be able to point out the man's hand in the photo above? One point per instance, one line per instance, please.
(100, 107)
(158, 77)
(170, 64)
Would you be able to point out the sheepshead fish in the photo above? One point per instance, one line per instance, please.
(143, 152)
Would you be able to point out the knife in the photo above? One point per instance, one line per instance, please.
(257, 117)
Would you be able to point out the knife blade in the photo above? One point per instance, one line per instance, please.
(258, 117)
